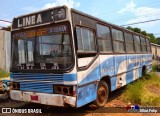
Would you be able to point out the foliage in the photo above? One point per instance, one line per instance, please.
(158, 40)
(3, 74)
(154, 66)
(144, 91)
(151, 36)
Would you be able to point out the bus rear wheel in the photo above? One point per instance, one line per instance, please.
(102, 94)
(144, 71)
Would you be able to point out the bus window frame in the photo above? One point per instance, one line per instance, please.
(124, 52)
(144, 45)
(140, 52)
(104, 52)
(128, 52)
(95, 41)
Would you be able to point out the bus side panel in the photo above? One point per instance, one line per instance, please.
(103, 66)
(120, 68)
(87, 85)
(108, 69)
(107, 65)
(147, 61)
(86, 94)
(130, 68)
(149, 67)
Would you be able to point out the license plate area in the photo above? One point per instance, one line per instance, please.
(34, 97)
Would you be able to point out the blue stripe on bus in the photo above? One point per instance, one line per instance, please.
(87, 93)
(95, 73)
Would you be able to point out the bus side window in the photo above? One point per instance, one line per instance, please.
(143, 44)
(118, 41)
(137, 44)
(148, 46)
(104, 38)
(85, 40)
(129, 43)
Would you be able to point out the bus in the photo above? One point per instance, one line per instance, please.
(64, 57)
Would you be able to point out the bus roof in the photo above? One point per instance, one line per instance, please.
(105, 22)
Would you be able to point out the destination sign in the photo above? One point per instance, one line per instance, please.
(38, 18)
(41, 32)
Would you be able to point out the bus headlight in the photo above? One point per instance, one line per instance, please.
(66, 90)
(15, 85)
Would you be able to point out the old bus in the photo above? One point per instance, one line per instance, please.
(61, 56)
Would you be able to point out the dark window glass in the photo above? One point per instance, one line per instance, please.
(118, 41)
(118, 47)
(137, 44)
(129, 42)
(143, 44)
(79, 39)
(85, 39)
(117, 35)
(42, 49)
(148, 46)
(104, 38)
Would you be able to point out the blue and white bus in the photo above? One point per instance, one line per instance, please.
(61, 56)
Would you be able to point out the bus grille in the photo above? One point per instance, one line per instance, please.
(37, 82)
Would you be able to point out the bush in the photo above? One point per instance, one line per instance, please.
(145, 91)
(3, 74)
(154, 66)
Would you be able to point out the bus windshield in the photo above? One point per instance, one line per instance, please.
(46, 48)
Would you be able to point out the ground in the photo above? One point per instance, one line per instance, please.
(114, 102)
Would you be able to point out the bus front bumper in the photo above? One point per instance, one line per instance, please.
(43, 98)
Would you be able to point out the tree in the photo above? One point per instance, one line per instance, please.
(158, 40)
(150, 35)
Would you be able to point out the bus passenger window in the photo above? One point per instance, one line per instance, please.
(118, 41)
(143, 44)
(148, 46)
(137, 44)
(85, 40)
(104, 38)
(129, 42)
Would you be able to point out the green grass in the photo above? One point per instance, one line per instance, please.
(154, 66)
(3, 74)
(144, 92)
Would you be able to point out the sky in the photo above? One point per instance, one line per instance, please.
(119, 12)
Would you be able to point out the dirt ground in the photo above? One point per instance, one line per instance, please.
(114, 104)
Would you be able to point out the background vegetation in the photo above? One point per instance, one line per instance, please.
(145, 91)
(3, 74)
(151, 36)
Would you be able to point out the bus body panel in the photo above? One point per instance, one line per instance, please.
(127, 68)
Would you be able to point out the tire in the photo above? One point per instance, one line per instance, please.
(144, 71)
(102, 94)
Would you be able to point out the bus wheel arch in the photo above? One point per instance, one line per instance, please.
(102, 92)
(144, 70)
(107, 80)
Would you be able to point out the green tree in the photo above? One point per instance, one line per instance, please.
(158, 40)
(138, 30)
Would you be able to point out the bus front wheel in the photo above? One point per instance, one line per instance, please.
(102, 94)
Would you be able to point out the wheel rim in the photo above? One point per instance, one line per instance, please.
(101, 94)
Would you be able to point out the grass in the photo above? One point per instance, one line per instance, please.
(144, 92)
(3, 74)
(154, 66)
